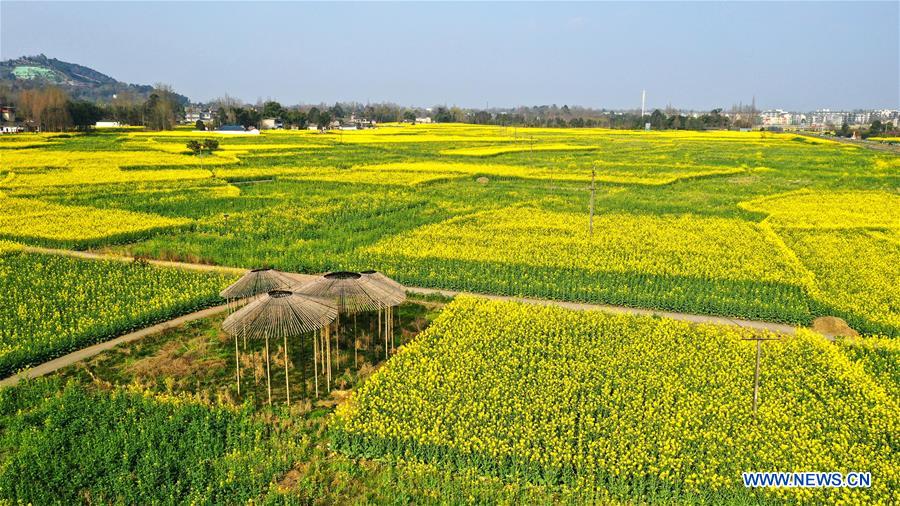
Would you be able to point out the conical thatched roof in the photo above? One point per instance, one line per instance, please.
(398, 293)
(352, 291)
(256, 282)
(281, 313)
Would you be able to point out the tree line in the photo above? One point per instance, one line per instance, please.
(876, 129)
(230, 111)
(50, 108)
(565, 117)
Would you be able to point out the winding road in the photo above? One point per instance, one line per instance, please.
(84, 353)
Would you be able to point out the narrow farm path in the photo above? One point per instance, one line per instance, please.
(877, 146)
(90, 351)
(583, 306)
(90, 255)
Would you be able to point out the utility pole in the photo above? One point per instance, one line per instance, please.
(591, 224)
(759, 341)
(643, 101)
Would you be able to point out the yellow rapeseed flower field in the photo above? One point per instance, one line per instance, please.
(499, 150)
(58, 225)
(640, 406)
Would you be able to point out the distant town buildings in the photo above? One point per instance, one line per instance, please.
(826, 119)
(193, 115)
(776, 117)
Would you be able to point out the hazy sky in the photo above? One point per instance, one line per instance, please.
(801, 55)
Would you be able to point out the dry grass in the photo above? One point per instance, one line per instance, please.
(178, 360)
(291, 478)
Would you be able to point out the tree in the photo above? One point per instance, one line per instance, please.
(296, 118)
(442, 115)
(199, 125)
(337, 111)
(125, 108)
(84, 114)
(272, 109)
(875, 129)
(658, 119)
(313, 116)
(324, 119)
(204, 146)
(161, 108)
(481, 118)
(46, 109)
(246, 116)
(844, 131)
(409, 116)
(225, 109)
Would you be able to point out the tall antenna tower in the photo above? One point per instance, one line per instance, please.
(643, 101)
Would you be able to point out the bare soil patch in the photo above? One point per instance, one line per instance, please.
(832, 326)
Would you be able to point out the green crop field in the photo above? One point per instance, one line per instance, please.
(53, 305)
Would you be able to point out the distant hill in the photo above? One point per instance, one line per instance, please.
(80, 82)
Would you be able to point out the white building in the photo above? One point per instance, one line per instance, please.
(271, 124)
(776, 117)
(193, 115)
(826, 118)
(424, 120)
(107, 124)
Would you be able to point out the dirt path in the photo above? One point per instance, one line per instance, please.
(71, 358)
(582, 306)
(877, 146)
(122, 258)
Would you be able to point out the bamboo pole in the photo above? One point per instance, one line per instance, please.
(316, 359)
(328, 351)
(237, 365)
(287, 383)
(337, 342)
(355, 345)
(268, 371)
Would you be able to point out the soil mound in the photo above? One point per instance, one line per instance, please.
(832, 326)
